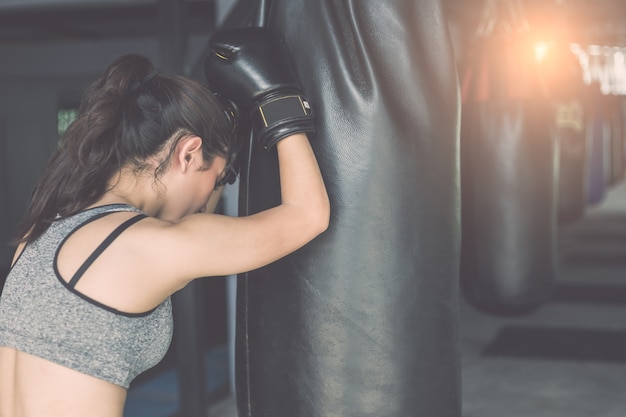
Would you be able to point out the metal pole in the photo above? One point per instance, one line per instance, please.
(262, 11)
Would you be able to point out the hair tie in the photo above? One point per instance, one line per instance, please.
(150, 76)
(137, 84)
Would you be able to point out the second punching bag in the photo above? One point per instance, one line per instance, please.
(508, 181)
(362, 321)
(597, 140)
(563, 79)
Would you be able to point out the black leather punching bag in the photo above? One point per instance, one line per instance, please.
(617, 140)
(363, 320)
(508, 181)
(570, 132)
(597, 141)
(563, 76)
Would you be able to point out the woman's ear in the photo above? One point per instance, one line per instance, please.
(189, 152)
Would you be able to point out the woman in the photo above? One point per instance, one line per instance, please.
(119, 222)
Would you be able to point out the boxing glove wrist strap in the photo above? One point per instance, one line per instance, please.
(277, 113)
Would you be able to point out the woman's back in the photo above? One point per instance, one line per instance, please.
(60, 337)
(33, 387)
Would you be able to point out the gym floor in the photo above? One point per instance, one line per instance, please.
(566, 359)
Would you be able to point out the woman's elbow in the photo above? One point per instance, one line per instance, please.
(322, 217)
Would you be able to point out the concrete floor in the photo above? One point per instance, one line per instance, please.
(576, 366)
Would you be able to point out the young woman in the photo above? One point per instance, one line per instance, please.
(119, 222)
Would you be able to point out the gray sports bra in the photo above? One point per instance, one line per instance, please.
(45, 316)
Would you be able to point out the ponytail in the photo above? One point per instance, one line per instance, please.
(129, 114)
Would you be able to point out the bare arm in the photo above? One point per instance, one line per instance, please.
(213, 245)
(250, 67)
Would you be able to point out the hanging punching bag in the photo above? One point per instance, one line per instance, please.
(596, 146)
(570, 135)
(363, 320)
(617, 140)
(508, 180)
(563, 76)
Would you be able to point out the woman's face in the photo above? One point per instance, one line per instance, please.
(188, 194)
(207, 184)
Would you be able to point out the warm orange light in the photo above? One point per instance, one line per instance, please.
(541, 50)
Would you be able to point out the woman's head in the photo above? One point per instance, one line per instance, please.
(133, 113)
(128, 117)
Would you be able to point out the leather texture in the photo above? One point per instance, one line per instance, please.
(509, 166)
(363, 321)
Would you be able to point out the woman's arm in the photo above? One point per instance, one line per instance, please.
(214, 245)
(251, 68)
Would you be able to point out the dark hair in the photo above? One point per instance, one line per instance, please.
(127, 115)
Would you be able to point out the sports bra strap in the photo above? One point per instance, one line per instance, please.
(114, 234)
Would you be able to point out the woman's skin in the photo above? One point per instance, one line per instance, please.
(160, 255)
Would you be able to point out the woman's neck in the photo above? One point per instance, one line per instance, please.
(138, 190)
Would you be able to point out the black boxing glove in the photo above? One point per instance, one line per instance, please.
(233, 164)
(251, 67)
